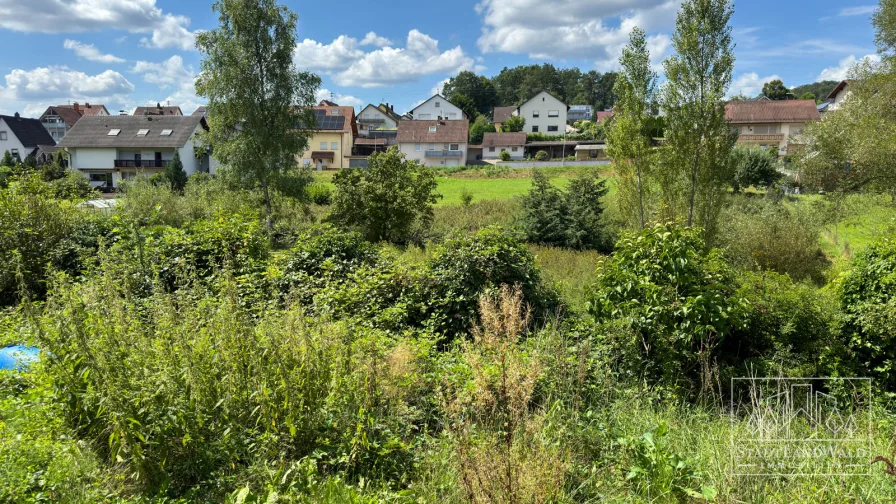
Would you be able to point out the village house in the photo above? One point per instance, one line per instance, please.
(771, 124)
(501, 114)
(493, 144)
(436, 142)
(437, 107)
(111, 149)
(22, 136)
(332, 140)
(158, 110)
(544, 113)
(58, 119)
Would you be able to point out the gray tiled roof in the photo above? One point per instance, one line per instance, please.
(94, 131)
(30, 132)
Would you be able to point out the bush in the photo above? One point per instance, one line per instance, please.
(388, 200)
(504, 156)
(320, 194)
(754, 166)
(868, 303)
(679, 299)
(571, 219)
(466, 197)
(541, 156)
(464, 268)
(771, 236)
(73, 186)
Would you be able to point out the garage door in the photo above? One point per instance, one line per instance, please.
(452, 162)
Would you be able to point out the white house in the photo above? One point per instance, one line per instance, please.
(22, 136)
(838, 96)
(544, 113)
(493, 144)
(434, 143)
(437, 107)
(115, 148)
(377, 118)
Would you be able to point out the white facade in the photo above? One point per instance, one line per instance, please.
(9, 142)
(839, 98)
(437, 107)
(772, 135)
(517, 152)
(544, 114)
(435, 154)
(373, 118)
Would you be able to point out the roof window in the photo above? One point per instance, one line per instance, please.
(113, 132)
(166, 132)
(142, 132)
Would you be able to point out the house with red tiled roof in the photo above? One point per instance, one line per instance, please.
(772, 124)
(59, 119)
(493, 144)
(436, 142)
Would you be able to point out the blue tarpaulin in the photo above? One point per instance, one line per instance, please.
(18, 357)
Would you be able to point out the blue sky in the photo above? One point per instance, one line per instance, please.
(126, 53)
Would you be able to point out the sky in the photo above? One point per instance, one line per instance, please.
(127, 53)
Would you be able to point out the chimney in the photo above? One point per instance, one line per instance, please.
(77, 107)
(392, 108)
(86, 105)
(17, 115)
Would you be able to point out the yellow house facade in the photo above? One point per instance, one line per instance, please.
(331, 144)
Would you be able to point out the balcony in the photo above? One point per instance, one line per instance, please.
(144, 163)
(444, 154)
(371, 120)
(773, 137)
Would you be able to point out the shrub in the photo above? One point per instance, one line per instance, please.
(387, 200)
(571, 219)
(771, 236)
(754, 166)
(541, 156)
(466, 197)
(679, 299)
(320, 194)
(513, 124)
(465, 267)
(868, 303)
(73, 186)
(504, 156)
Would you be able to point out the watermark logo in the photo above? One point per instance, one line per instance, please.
(801, 426)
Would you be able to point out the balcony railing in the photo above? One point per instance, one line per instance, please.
(371, 120)
(772, 137)
(142, 163)
(444, 153)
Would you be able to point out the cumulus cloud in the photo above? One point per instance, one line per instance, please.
(349, 65)
(342, 99)
(90, 53)
(172, 76)
(841, 71)
(62, 83)
(375, 40)
(73, 16)
(749, 84)
(558, 29)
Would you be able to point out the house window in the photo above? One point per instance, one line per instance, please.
(553, 128)
(535, 113)
(142, 132)
(306, 163)
(438, 104)
(534, 129)
(514, 149)
(15, 153)
(113, 132)
(334, 111)
(767, 129)
(323, 146)
(432, 129)
(491, 149)
(553, 113)
(454, 147)
(431, 147)
(417, 147)
(3, 136)
(334, 145)
(424, 117)
(166, 132)
(452, 115)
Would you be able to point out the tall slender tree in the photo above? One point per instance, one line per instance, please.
(699, 137)
(258, 101)
(628, 136)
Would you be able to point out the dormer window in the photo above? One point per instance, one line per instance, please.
(113, 132)
(142, 132)
(432, 129)
(166, 132)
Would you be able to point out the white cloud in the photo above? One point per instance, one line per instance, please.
(342, 99)
(558, 29)
(349, 65)
(374, 39)
(172, 74)
(75, 16)
(861, 10)
(841, 71)
(62, 83)
(89, 52)
(437, 89)
(749, 84)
